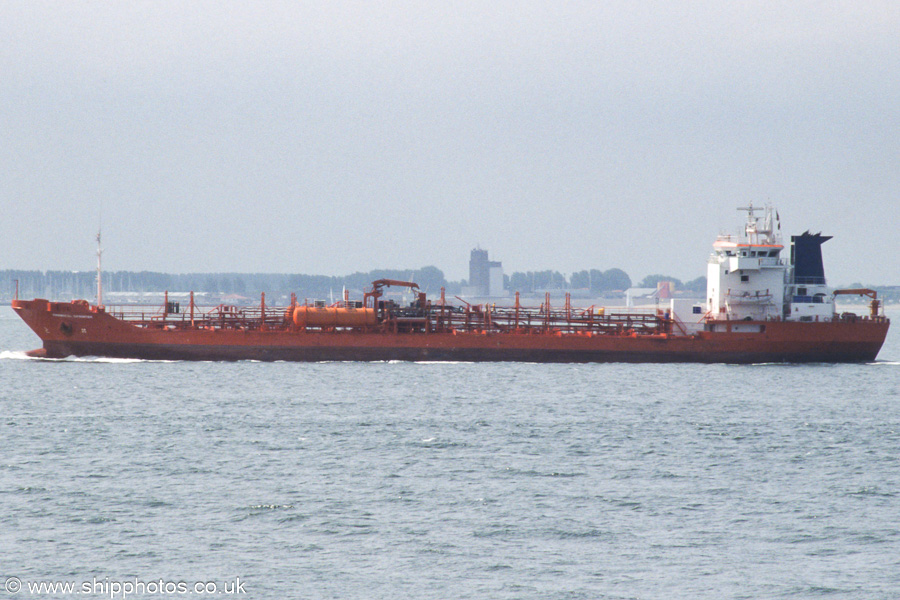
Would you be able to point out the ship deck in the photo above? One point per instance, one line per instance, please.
(424, 318)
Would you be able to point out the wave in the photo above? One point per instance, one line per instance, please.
(22, 355)
(16, 355)
(106, 359)
(442, 362)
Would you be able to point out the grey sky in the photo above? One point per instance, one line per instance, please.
(334, 137)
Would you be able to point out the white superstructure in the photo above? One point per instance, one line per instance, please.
(749, 280)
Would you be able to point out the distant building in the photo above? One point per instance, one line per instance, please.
(485, 276)
(665, 289)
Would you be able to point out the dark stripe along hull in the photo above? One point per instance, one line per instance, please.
(857, 353)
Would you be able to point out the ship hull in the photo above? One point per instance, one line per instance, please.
(80, 330)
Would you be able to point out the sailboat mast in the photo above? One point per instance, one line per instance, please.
(99, 272)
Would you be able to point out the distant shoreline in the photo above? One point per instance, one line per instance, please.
(244, 288)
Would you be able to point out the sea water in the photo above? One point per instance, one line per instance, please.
(447, 480)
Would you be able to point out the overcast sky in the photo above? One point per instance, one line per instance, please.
(334, 137)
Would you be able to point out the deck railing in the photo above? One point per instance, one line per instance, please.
(432, 318)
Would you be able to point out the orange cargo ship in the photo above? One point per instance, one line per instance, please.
(760, 308)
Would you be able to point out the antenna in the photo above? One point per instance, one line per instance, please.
(750, 210)
(752, 227)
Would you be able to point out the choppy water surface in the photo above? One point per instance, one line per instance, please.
(394, 480)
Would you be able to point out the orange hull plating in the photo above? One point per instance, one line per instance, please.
(82, 330)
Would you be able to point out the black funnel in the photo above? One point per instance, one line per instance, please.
(806, 257)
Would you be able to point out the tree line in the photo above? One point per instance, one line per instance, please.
(83, 284)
